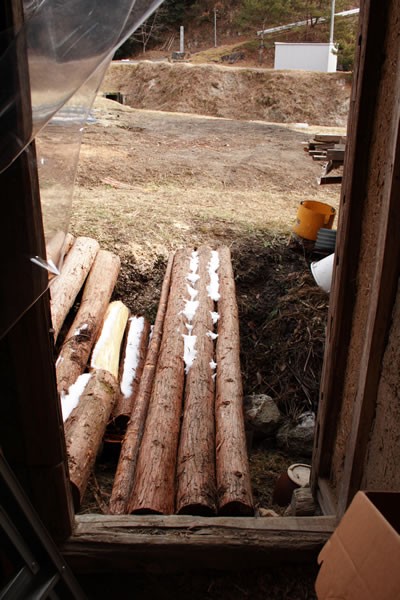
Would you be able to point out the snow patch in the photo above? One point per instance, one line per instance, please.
(192, 292)
(132, 355)
(213, 365)
(189, 351)
(193, 266)
(213, 287)
(214, 316)
(190, 309)
(212, 335)
(70, 399)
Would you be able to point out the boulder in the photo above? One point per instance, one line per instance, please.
(261, 414)
(297, 437)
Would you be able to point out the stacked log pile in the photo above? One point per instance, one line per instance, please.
(330, 149)
(176, 393)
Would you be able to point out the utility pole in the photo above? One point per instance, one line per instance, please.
(332, 21)
(182, 40)
(215, 26)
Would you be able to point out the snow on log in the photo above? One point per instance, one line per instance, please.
(233, 476)
(196, 456)
(108, 347)
(79, 341)
(84, 429)
(65, 288)
(133, 359)
(124, 477)
(154, 488)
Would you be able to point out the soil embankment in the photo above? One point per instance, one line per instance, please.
(233, 92)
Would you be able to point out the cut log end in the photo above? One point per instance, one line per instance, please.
(236, 509)
(199, 510)
(146, 511)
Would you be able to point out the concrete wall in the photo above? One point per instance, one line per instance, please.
(305, 57)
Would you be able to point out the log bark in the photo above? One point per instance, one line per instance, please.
(65, 288)
(196, 489)
(233, 476)
(154, 488)
(124, 477)
(130, 375)
(79, 341)
(85, 428)
(108, 346)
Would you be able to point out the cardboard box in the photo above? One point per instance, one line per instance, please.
(361, 560)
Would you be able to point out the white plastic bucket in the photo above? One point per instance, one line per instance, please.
(322, 272)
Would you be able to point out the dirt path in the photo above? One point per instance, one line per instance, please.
(149, 182)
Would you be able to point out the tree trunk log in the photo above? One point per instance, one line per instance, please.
(65, 288)
(124, 477)
(85, 428)
(196, 489)
(79, 341)
(131, 371)
(233, 476)
(59, 246)
(154, 488)
(108, 347)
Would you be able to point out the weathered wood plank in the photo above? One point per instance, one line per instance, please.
(176, 543)
(343, 292)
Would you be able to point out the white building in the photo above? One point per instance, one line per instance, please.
(306, 57)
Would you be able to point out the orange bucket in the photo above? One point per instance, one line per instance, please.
(311, 216)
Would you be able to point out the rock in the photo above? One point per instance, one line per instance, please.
(261, 415)
(298, 437)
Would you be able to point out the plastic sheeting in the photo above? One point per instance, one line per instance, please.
(69, 47)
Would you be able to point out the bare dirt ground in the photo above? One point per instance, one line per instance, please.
(150, 182)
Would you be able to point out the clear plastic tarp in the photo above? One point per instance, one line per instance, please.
(69, 47)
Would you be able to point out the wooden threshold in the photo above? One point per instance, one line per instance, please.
(103, 543)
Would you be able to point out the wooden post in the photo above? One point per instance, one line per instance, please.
(233, 476)
(154, 488)
(66, 286)
(84, 429)
(124, 477)
(352, 362)
(79, 341)
(196, 457)
(30, 417)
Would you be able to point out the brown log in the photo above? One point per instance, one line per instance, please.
(66, 286)
(59, 246)
(233, 476)
(107, 350)
(154, 487)
(79, 341)
(130, 374)
(196, 489)
(85, 428)
(124, 477)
